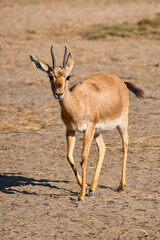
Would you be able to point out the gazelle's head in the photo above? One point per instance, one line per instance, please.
(58, 76)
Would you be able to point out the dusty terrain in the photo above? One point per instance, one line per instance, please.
(38, 197)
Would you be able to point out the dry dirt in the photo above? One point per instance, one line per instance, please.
(39, 192)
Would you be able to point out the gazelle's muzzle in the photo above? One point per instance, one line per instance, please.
(58, 96)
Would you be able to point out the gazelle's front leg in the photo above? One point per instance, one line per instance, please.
(88, 136)
(70, 147)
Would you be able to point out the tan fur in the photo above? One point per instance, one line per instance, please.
(99, 99)
(91, 106)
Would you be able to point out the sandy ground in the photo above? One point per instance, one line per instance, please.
(39, 192)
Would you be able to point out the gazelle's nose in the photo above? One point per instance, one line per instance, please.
(59, 85)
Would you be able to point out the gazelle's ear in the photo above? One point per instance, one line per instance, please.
(69, 63)
(39, 64)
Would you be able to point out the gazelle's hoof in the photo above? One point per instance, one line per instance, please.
(91, 193)
(120, 188)
(80, 198)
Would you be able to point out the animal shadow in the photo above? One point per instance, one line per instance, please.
(9, 182)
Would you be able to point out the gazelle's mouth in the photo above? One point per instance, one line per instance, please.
(58, 96)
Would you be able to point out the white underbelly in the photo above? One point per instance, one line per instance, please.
(105, 126)
(101, 127)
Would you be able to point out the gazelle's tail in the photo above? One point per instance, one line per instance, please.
(137, 91)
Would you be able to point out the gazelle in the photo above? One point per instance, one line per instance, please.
(92, 106)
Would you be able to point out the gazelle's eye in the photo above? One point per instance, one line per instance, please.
(68, 78)
(50, 77)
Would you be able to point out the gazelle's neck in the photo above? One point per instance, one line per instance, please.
(68, 105)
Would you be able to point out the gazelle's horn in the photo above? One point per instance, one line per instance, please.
(53, 58)
(64, 59)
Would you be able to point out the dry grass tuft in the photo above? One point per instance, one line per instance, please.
(140, 232)
(148, 27)
(24, 119)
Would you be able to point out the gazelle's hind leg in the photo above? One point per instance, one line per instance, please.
(124, 134)
(101, 152)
